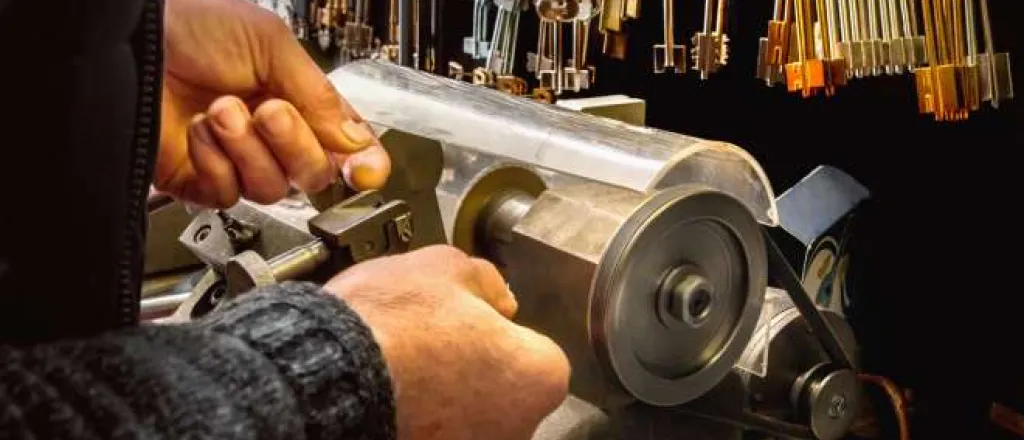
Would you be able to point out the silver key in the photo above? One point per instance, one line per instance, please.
(578, 74)
(669, 56)
(476, 45)
(550, 48)
(711, 46)
(501, 57)
(996, 71)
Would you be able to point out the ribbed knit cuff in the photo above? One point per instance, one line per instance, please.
(324, 351)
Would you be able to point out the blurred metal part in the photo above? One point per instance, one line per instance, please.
(638, 158)
(818, 201)
(252, 245)
(618, 107)
(589, 263)
(164, 253)
(416, 164)
(799, 384)
(604, 253)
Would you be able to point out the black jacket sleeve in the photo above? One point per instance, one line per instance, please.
(285, 362)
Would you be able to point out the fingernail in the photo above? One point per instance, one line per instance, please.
(362, 176)
(357, 133)
(199, 131)
(278, 123)
(230, 118)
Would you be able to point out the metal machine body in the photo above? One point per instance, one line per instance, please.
(639, 158)
(640, 252)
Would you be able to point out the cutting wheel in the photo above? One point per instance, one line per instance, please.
(678, 294)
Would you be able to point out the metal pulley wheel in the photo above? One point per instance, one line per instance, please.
(678, 293)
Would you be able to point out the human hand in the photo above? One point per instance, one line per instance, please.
(460, 369)
(246, 112)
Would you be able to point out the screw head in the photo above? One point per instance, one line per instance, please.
(837, 406)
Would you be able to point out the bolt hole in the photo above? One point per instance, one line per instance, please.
(201, 234)
(699, 304)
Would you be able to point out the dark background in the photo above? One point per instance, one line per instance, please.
(937, 261)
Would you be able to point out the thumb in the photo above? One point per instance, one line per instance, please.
(290, 74)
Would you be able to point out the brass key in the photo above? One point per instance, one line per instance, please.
(811, 73)
(711, 46)
(773, 50)
(669, 56)
(947, 87)
(615, 14)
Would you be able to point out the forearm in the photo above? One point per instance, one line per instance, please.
(278, 363)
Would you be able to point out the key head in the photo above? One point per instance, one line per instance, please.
(968, 78)
(884, 53)
(923, 82)
(835, 72)
(897, 52)
(946, 87)
(807, 77)
(548, 79)
(511, 85)
(576, 79)
(614, 44)
(543, 95)
(1002, 74)
(483, 77)
(670, 58)
(456, 71)
(918, 49)
(533, 61)
(558, 10)
(858, 62)
(778, 43)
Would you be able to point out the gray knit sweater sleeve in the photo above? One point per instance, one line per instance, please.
(285, 362)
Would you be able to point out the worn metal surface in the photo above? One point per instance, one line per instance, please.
(164, 253)
(790, 351)
(639, 158)
(587, 263)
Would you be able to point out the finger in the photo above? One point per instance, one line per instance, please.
(367, 169)
(216, 181)
(294, 77)
(492, 288)
(294, 145)
(262, 179)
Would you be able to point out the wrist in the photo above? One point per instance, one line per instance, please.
(323, 350)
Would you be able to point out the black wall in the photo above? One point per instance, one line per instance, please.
(941, 268)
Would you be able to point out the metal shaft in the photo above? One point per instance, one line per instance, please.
(299, 261)
(986, 27)
(708, 11)
(971, 31)
(720, 17)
